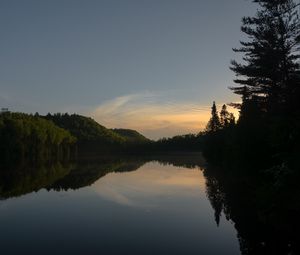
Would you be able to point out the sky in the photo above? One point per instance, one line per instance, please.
(151, 65)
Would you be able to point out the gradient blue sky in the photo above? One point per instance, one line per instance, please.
(152, 65)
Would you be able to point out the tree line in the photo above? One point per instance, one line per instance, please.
(62, 136)
(268, 81)
(25, 136)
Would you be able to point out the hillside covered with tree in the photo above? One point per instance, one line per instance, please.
(25, 136)
(130, 135)
(91, 136)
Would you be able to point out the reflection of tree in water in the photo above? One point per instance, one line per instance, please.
(264, 213)
(266, 221)
(187, 160)
(18, 180)
(85, 174)
(215, 196)
(23, 179)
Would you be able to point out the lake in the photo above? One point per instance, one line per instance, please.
(131, 206)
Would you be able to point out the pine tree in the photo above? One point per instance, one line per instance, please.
(231, 120)
(270, 56)
(224, 117)
(268, 79)
(214, 123)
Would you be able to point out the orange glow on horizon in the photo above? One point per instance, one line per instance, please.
(154, 120)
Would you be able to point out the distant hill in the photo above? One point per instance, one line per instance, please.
(93, 137)
(130, 135)
(90, 135)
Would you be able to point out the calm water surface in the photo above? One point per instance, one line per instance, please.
(145, 208)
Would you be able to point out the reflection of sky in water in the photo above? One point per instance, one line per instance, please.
(154, 210)
(151, 185)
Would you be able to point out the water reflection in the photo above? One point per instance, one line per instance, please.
(17, 180)
(86, 173)
(153, 205)
(264, 213)
(147, 186)
(122, 206)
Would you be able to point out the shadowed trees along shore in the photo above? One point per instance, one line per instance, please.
(33, 138)
(268, 79)
(60, 136)
(63, 136)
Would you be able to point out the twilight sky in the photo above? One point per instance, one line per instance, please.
(151, 65)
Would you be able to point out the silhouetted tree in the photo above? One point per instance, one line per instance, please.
(215, 197)
(224, 116)
(268, 81)
(270, 55)
(214, 123)
(231, 119)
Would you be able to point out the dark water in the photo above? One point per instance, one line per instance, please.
(115, 207)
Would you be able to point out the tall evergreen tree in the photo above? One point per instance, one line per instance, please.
(214, 123)
(224, 116)
(268, 79)
(271, 56)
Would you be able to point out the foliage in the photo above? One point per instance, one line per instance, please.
(268, 80)
(189, 142)
(130, 135)
(30, 137)
(214, 123)
(226, 119)
(94, 138)
(85, 129)
(270, 56)
(254, 173)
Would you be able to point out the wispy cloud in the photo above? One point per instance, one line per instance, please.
(153, 115)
